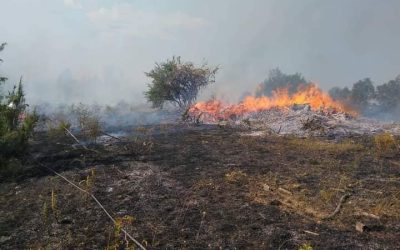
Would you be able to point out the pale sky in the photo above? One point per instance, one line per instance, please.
(98, 50)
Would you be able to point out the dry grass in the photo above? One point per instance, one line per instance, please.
(56, 128)
(388, 205)
(311, 144)
(204, 184)
(236, 176)
(384, 143)
(290, 196)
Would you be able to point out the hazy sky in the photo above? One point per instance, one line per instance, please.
(97, 50)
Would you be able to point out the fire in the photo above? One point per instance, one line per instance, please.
(311, 95)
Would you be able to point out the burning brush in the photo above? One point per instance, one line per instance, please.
(310, 96)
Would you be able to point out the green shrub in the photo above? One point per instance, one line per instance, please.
(16, 124)
(177, 82)
(88, 121)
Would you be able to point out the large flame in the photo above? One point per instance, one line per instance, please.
(311, 95)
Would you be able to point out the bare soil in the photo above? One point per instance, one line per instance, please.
(177, 187)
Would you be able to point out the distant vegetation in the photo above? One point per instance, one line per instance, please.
(177, 82)
(277, 79)
(16, 124)
(381, 101)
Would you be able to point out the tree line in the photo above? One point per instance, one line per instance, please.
(380, 100)
(370, 100)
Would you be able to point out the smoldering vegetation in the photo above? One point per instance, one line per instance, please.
(110, 118)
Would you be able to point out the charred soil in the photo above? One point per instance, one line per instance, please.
(204, 187)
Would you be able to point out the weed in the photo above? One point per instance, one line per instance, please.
(53, 205)
(88, 122)
(90, 180)
(119, 239)
(326, 195)
(356, 162)
(45, 212)
(306, 246)
(314, 162)
(384, 143)
(57, 128)
(204, 184)
(236, 176)
(89, 183)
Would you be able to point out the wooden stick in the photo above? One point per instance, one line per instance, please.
(201, 224)
(285, 191)
(104, 133)
(309, 232)
(76, 139)
(279, 131)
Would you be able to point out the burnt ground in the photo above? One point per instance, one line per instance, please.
(203, 187)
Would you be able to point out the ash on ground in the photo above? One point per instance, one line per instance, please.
(301, 120)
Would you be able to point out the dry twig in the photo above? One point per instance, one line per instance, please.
(312, 233)
(76, 139)
(338, 207)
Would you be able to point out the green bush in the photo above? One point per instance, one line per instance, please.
(16, 124)
(178, 82)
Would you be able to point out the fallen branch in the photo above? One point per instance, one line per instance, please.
(117, 138)
(98, 203)
(279, 131)
(73, 136)
(201, 225)
(338, 207)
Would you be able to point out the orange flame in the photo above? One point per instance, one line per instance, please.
(311, 95)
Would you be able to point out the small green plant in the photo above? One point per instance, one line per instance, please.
(90, 180)
(53, 204)
(89, 183)
(119, 240)
(88, 122)
(45, 212)
(56, 129)
(306, 246)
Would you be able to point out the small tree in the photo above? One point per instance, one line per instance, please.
(388, 95)
(178, 82)
(362, 93)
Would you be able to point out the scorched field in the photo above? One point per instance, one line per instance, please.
(180, 186)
